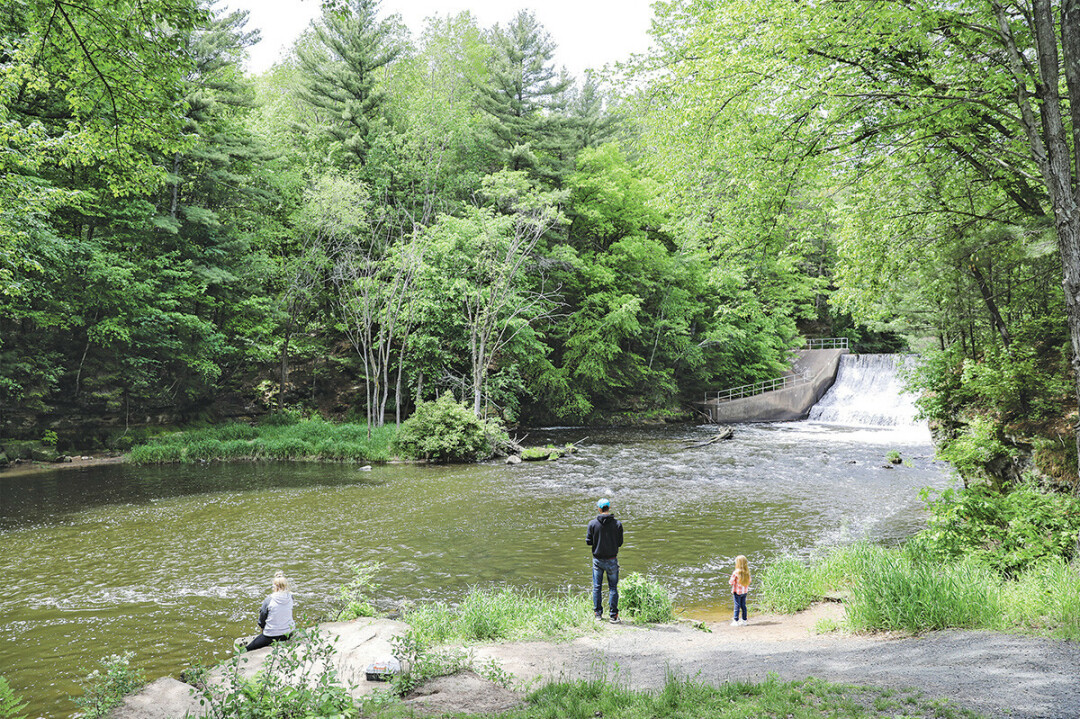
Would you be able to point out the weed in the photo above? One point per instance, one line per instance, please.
(645, 600)
(105, 687)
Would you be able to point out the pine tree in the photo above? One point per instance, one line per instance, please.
(524, 99)
(342, 73)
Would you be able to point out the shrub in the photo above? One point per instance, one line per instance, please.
(1009, 531)
(106, 687)
(644, 599)
(355, 598)
(446, 431)
(298, 679)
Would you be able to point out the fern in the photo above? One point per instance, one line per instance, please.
(10, 706)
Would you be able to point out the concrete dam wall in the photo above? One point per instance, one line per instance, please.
(818, 367)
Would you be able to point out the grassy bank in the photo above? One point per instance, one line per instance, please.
(310, 439)
(904, 589)
(810, 699)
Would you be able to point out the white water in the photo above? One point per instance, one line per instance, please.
(869, 391)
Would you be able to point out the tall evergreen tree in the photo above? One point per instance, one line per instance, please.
(341, 73)
(524, 99)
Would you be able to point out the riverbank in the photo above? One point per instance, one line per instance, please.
(996, 675)
(28, 467)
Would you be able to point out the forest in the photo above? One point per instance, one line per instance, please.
(384, 217)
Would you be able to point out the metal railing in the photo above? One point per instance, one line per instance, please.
(749, 390)
(827, 343)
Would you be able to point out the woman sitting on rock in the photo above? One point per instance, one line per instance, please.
(275, 615)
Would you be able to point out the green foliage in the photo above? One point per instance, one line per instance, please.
(808, 699)
(1045, 598)
(447, 431)
(786, 586)
(645, 600)
(911, 592)
(915, 589)
(1008, 531)
(11, 707)
(506, 614)
(298, 679)
(355, 598)
(421, 663)
(105, 688)
(311, 439)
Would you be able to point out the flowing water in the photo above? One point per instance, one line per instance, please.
(172, 562)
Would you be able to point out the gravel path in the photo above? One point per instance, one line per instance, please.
(998, 675)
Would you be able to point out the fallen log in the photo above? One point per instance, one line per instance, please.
(724, 434)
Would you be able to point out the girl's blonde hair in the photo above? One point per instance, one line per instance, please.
(281, 582)
(742, 570)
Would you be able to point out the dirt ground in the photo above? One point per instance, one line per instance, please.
(996, 675)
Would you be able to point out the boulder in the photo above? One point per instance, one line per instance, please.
(164, 698)
(513, 459)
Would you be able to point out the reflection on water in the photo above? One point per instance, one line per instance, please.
(172, 562)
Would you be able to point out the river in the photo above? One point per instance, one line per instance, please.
(172, 562)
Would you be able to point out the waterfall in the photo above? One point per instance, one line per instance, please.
(868, 392)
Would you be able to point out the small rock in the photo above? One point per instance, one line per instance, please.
(513, 459)
(85, 459)
(366, 468)
(62, 459)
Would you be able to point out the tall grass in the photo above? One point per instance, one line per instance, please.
(1046, 599)
(902, 589)
(506, 614)
(312, 439)
(897, 591)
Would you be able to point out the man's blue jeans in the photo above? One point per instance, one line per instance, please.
(600, 567)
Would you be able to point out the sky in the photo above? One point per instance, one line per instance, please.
(589, 33)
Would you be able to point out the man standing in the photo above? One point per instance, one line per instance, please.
(605, 535)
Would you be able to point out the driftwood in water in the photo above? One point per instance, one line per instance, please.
(725, 433)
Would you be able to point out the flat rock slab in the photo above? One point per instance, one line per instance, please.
(357, 644)
(164, 698)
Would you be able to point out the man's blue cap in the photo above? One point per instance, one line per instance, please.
(601, 503)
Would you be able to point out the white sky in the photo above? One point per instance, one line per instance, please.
(589, 33)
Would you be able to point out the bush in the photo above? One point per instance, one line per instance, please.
(105, 688)
(644, 599)
(446, 431)
(298, 679)
(1008, 531)
(355, 598)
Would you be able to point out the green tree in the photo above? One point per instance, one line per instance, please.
(341, 73)
(524, 99)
